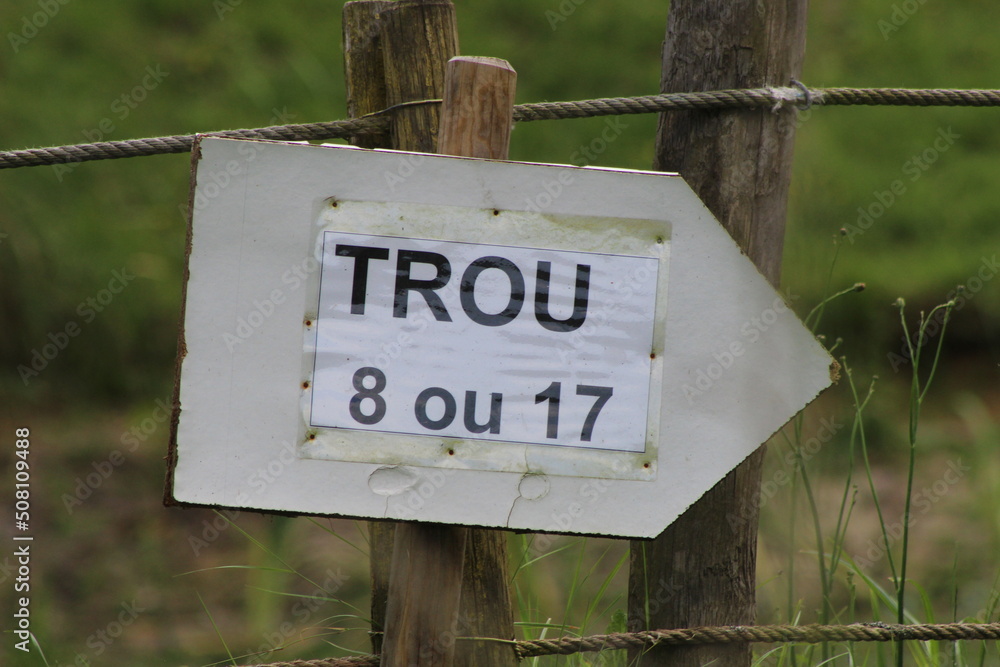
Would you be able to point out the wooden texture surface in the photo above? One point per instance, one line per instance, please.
(477, 114)
(364, 78)
(418, 38)
(486, 609)
(422, 619)
(371, 82)
(476, 120)
(434, 597)
(701, 570)
(364, 70)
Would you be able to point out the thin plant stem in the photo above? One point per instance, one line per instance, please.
(824, 613)
(791, 560)
(826, 574)
(917, 395)
(826, 287)
(858, 406)
(817, 310)
(216, 628)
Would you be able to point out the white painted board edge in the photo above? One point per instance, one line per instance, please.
(234, 443)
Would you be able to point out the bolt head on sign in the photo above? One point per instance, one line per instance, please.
(388, 335)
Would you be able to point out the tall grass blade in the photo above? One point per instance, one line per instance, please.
(216, 628)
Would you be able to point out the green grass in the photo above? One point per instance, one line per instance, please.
(254, 574)
(64, 233)
(575, 586)
(849, 585)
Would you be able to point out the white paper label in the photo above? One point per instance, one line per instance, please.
(484, 342)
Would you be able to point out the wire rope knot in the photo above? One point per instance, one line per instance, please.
(806, 100)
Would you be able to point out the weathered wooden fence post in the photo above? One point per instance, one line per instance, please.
(701, 570)
(476, 121)
(425, 587)
(364, 71)
(426, 582)
(364, 81)
(396, 52)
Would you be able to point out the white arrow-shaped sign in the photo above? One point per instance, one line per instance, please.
(549, 348)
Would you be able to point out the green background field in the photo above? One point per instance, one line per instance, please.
(65, 231)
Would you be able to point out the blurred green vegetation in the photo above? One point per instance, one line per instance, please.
(65, 231)
(68, 228)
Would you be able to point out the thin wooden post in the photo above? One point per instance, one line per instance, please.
(701, 570)
(477, 113)
(476, 121)
(418, 38)
(486, 606)
(425, 587)
(364, 79)
(429, 560)
(364, 70)
(395, 52)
